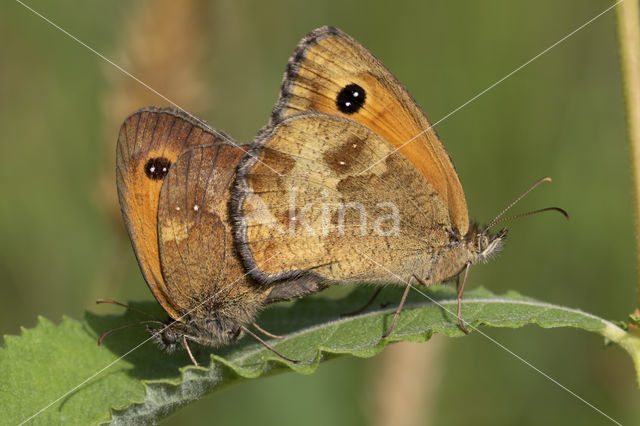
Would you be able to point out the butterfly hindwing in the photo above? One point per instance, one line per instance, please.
(202, 271)
(304, 203)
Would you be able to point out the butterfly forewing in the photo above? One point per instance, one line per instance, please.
(332, 73)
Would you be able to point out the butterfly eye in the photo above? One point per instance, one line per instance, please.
(351, 98)
(169, 337)
(157, 168)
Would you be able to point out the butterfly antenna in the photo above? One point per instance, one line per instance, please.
(266, 345)
(557, 209)
(106, 333)
(514, 202)
(131, 308)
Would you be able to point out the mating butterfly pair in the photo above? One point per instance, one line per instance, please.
(347, 183)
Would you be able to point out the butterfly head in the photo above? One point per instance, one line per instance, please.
(170, 337)
(215, 330)
(485, 244)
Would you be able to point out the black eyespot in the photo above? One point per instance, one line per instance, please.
(157, 168)
(351, 98)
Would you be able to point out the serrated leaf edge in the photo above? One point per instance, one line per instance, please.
(272, 363)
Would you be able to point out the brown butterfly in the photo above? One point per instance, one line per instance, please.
(174, 175)
(349, 182)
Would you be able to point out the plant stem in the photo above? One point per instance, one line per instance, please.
(629, 341)
(629, 41)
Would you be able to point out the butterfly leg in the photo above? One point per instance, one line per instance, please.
(400, 306)
(421, 280)
(186, 346)
(266, 345)
(460, 290)
(265, 332)
(361, 309)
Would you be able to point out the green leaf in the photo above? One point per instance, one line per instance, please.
(58, 373)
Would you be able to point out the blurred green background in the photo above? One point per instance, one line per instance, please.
(62, 239)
